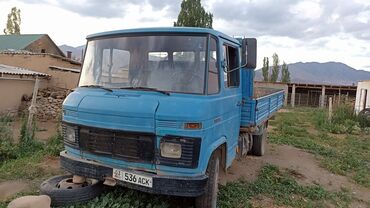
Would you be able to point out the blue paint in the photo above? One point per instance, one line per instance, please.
(221, 114)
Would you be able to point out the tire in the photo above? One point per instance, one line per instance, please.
(259, 144)
(70, 194)
(209, 199)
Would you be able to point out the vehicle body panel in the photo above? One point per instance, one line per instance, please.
(221, 115)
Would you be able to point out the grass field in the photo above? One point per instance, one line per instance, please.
(347, 154)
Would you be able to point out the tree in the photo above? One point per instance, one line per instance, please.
(14, 22)
(275, 68)
(265, 69)
(285, 74)
(192, 14)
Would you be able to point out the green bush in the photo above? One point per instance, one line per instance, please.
(343, 121)
(55, 145)
(27, 142)
(7, 148)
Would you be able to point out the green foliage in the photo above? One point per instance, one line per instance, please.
(7, 148)
(265, 69)
(282, 188)
(285, 74)
(343, 121)
(55, 144)
(27, 142)
(124, 198)
(348, 155)
(192, 14)
(275, 68)
(13, 23)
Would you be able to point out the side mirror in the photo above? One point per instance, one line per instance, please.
(249, 53)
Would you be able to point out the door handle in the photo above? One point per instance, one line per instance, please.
(240, 102)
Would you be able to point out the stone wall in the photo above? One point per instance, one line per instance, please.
(49, 103)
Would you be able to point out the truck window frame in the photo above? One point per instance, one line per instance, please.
(208, 55)
(227, 74)
(204, 34)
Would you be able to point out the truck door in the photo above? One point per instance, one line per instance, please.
(232, 92)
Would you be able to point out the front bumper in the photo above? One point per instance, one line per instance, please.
(167, 185)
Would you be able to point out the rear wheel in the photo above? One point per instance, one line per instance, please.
(209, 199)
(259, 143)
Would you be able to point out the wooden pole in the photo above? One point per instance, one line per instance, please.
(339, 97)
(330, 108)
(322, 104)
(292, 101)
(32, 109)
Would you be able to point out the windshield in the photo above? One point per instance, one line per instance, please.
(166, 63)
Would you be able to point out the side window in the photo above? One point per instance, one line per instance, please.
(213, 73)
(231, 72)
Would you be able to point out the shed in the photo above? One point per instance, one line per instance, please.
(17, 84)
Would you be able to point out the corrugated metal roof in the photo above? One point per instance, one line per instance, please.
(17, 42)
(65, 69)
(12, 70)
(24, 52)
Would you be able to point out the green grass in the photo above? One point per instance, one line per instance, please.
(347, 154)
(276, 184)
(282, 188)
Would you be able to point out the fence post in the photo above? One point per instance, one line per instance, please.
(292, 102)
(32, 109)
(330, 108)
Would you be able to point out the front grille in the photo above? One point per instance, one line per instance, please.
(135, 147)
(190, 148)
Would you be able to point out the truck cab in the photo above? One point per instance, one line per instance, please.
(163, 110)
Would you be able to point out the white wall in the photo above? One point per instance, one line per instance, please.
(360, 86)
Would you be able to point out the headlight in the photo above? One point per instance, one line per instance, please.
(70, 134)
(170, 150)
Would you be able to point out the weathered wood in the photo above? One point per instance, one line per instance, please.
(330, 108)
(292, 102)
(32, 109)
(322, 104)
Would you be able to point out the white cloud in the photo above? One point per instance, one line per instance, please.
(312, 30)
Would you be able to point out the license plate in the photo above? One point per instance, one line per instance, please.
(133, 178)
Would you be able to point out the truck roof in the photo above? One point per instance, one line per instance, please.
(163, 30)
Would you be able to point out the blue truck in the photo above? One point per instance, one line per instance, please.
(163, 111)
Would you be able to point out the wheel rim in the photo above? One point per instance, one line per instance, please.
(67, 183)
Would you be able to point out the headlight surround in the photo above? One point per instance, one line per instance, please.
(70, 134)
(171, 150)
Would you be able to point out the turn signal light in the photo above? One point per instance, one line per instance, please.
(193, 125)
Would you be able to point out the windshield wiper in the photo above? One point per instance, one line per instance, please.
(97, 86)
(145, 89)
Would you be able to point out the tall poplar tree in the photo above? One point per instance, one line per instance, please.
(13, 23)
(275, 68)
(265, 69)
(192, 14)
(285, 74)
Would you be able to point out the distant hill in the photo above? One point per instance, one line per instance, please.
(76, 51)
(323, 73)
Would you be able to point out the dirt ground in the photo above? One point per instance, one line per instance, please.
(305, 168)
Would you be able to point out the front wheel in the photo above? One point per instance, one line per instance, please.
(209, 199)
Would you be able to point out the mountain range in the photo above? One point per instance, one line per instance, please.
(335, 73)
(76, 51)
